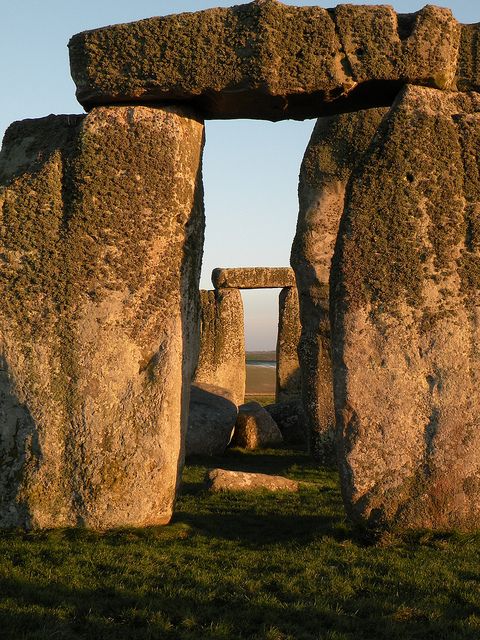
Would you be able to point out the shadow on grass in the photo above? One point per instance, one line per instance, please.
(238, 566)
(186, 610)
(256, 531)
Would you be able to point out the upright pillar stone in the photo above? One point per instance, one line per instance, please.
(288, 368)
(101, 242)
(222, 342)
(406, 319)
(336, 146)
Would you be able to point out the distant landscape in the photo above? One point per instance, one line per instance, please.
(261, 356)
(261, 373)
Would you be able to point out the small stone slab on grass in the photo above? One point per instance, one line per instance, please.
(223, 480)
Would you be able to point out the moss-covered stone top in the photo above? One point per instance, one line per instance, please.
(410, 230)
(267, 60)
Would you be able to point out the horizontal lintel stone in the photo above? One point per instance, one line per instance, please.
(253, 278)
(267, 60)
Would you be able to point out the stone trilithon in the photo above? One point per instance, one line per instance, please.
(101, 239)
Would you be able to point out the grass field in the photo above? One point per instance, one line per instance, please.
(263, 400)
(235, 566)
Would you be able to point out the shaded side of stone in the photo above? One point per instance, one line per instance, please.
(267, 60)
(211, 420)
(288, 384)
(253, 278)
(102, 227)
(406, 309)
(221, 360)
(290, 419)
(224, 480)
(335, 148)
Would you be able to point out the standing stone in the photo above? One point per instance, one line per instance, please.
(222, 342)
(406, 319)
(336, 146)
(289, 330)
(101, 241)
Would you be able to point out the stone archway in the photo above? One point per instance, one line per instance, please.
(102, 219)
(221, 371)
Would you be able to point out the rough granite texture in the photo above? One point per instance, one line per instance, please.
(224, 480)
(211, 420)
(101, 240)
(290, 419)
(468, 67)
(222, 342)
(266, 59)
(288, 385)
(336, 146)
(406, 319)
(255, 428)
(253, 278)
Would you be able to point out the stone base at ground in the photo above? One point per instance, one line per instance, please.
(211, 420)
(223, 480)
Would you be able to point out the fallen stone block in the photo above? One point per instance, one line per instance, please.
(223, 480)
(211, 420)
(255, 428)
(290, 419)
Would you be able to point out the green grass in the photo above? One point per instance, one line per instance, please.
(263, 400)
(233, 566)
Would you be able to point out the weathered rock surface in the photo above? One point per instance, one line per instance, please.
(268, 60)
(101, 240)
(211, 420)
(255, 428)
(289, 384)
(222, 342)
(468, 66)
(406, 319)
(253, 278)
(337, 145)
(223, 480)
(290, 419)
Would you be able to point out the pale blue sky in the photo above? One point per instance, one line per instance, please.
(250, 168)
